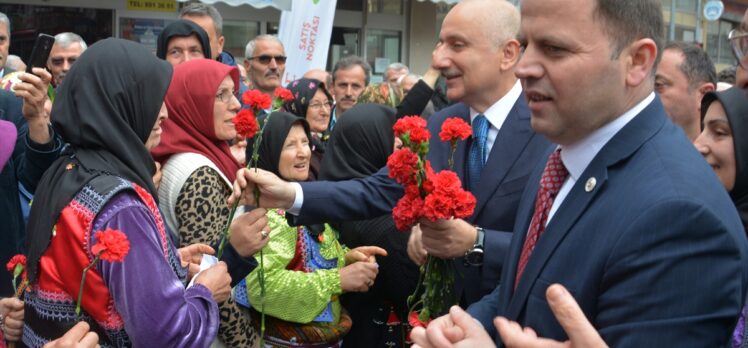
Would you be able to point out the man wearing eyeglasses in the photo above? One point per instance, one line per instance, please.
(265, 63)
(739, 43)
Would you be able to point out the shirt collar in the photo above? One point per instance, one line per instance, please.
(498, 112)
(577, 156)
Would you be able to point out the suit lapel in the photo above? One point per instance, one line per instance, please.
(623, 145)
(575, 203)
(513, 136)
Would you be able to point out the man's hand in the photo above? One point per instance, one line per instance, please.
(274, 191)
(364, 254)
(11, 309)
(191, 256)
(217, 280)
(580, 331)
(447, 239)
(33, 90)
(416, 252)
(456, 329)
(249, 232)
(79, 336)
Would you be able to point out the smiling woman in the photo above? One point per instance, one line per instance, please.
(199, 168)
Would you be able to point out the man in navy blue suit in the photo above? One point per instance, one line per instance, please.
(640, 231)
(476, 53)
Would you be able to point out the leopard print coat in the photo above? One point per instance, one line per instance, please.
(202, 214)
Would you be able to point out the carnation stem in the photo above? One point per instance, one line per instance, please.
(83, 281)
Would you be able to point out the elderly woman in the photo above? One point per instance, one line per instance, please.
(359, 147)
(306, 269)
(313, 102)
(106, 111)
(198, 172)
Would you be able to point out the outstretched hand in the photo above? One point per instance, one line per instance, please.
(580, 331)
(274, 191)
(364, 254)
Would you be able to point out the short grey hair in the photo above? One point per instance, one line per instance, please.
(348, 62)
(5, 20)
(198, 9)
(66, 39)
(249, 51)
(397, 66)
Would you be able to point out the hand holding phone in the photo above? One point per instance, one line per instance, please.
(40, 52)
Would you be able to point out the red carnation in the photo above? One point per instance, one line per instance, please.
(256, 99)
(414, 127)
(464, 204)
(437, 206)
(455, 128)
(15, 262)
(446, 182)
(407, 211)
(284, 94)
(403, 165)
(111, 245)
(414, 321)
(246, 123)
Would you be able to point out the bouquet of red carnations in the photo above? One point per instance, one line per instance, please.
(432, 196)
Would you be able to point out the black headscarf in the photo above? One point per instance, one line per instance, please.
(360, 143)
(105, 111)
(735, 103)
(303, 91)
(182, 28)
(273, 137)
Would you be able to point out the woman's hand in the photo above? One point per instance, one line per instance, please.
(79, 336)
(358, 277)
(11, 318)
(217, 280)
(364, 254)
(192, 255)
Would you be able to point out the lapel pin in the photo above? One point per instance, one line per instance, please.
(590, 185)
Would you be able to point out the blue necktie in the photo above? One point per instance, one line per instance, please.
(478, 153)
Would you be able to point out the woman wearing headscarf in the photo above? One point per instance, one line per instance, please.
(313, 102)
(107, 110)
(198, 172)
(359, 147)
(306, 269)
(724, 144)
(195, 45)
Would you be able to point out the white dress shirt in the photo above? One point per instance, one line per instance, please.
(576, 157)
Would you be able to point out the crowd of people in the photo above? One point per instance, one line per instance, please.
(609, 171)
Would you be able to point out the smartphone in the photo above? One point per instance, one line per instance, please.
(40, 52)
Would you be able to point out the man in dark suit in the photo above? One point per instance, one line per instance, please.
(625, 213)
(477, 53)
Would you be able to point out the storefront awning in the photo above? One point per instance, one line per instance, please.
(283, 5)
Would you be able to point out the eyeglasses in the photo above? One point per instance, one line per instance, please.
(266, 59)
(739, 43)
(317, 106)
(225, 95)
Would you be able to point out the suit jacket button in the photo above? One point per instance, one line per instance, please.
(590, 185)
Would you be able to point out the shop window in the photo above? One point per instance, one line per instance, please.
(382, 49)
(29, 20)
(350, 5)
(385, 6)
(236, 35)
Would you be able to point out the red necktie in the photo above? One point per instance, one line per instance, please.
(553, 177)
